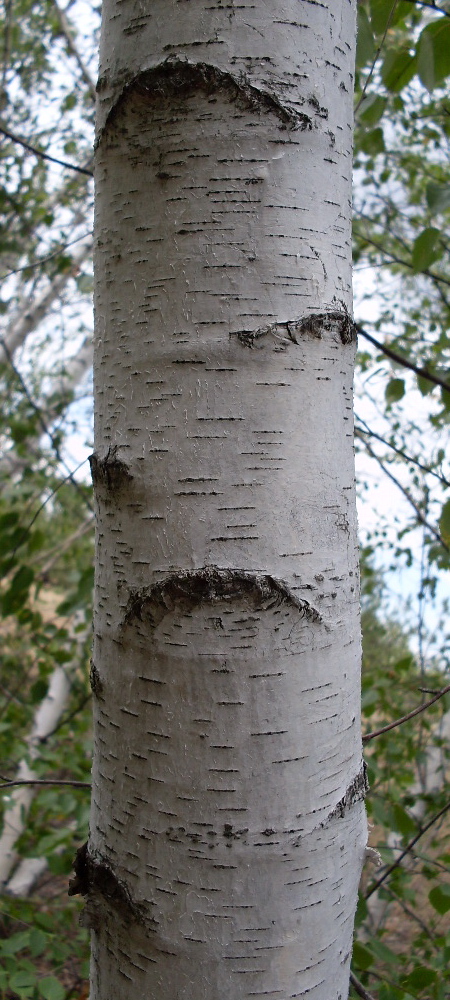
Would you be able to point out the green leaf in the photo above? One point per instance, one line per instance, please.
(395, 390)
(384, 953)
(15, 943)
(426, 249)
(424, 385)
(51, 989)
(438, 197)
(372, 142)
(8, 520)
(365, 45)
(444, 522)
(23, 983)
(38, 942)
(372, 109)
(385, 13)
(419, 978)
(440, 898)
(85, 283)
(403, 822)
(362, 957)
(17, 593)
(398, 68)
(433, 53)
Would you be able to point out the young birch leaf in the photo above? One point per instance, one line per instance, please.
(433, 53)
(440, 898)
(425, 61)
(395, 390)
(444, 522)
(426, 248)
(372, 109)
(438, 197)
(362, 957)
(398, 69)
(365, 46)
(51, 989)
(384, 14)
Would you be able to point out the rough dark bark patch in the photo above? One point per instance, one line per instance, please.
(185, 590)
(312, 325)
(95, 680)
(110, 472)
(356, 792)
(178, 78)
(95, 879)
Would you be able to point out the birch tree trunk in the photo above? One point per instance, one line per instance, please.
(228, 827)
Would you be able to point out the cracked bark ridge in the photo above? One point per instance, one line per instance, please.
(355, 792)
(95, 681)
(312, 325)
(96, 880)
(110, 473)
(179, 78)
(187, 589)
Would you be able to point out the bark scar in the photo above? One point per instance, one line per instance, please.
(355, 792)
(188, 588)
(109, 472)
(95, 879)
(312, 325)
(181, 78)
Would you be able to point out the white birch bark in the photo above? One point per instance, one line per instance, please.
(228, 828)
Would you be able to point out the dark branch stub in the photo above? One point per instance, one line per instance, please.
(109, 472)
(187, 589)
(312, 325)
(180, 78)
(96, 880)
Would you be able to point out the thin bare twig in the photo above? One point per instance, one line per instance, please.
(403, 454)
(44, 156)
(41, 419)
(431, 4)
(407, 850)
(359, 988)
(43, 781)
(404, 362)
(377, 55)
(67, 33)
(409, 912)
(44, 260)
(405, 718)
(409, 498)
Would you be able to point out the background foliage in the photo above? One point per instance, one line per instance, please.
(401, 241)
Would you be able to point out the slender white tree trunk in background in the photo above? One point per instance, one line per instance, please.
(228, 828)
(16, 811)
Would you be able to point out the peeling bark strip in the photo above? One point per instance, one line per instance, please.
(312, 325)
(95, 879)
(356, 792)
(181, 78)
(185, 590)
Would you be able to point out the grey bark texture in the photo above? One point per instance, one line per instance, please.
(228, 827)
